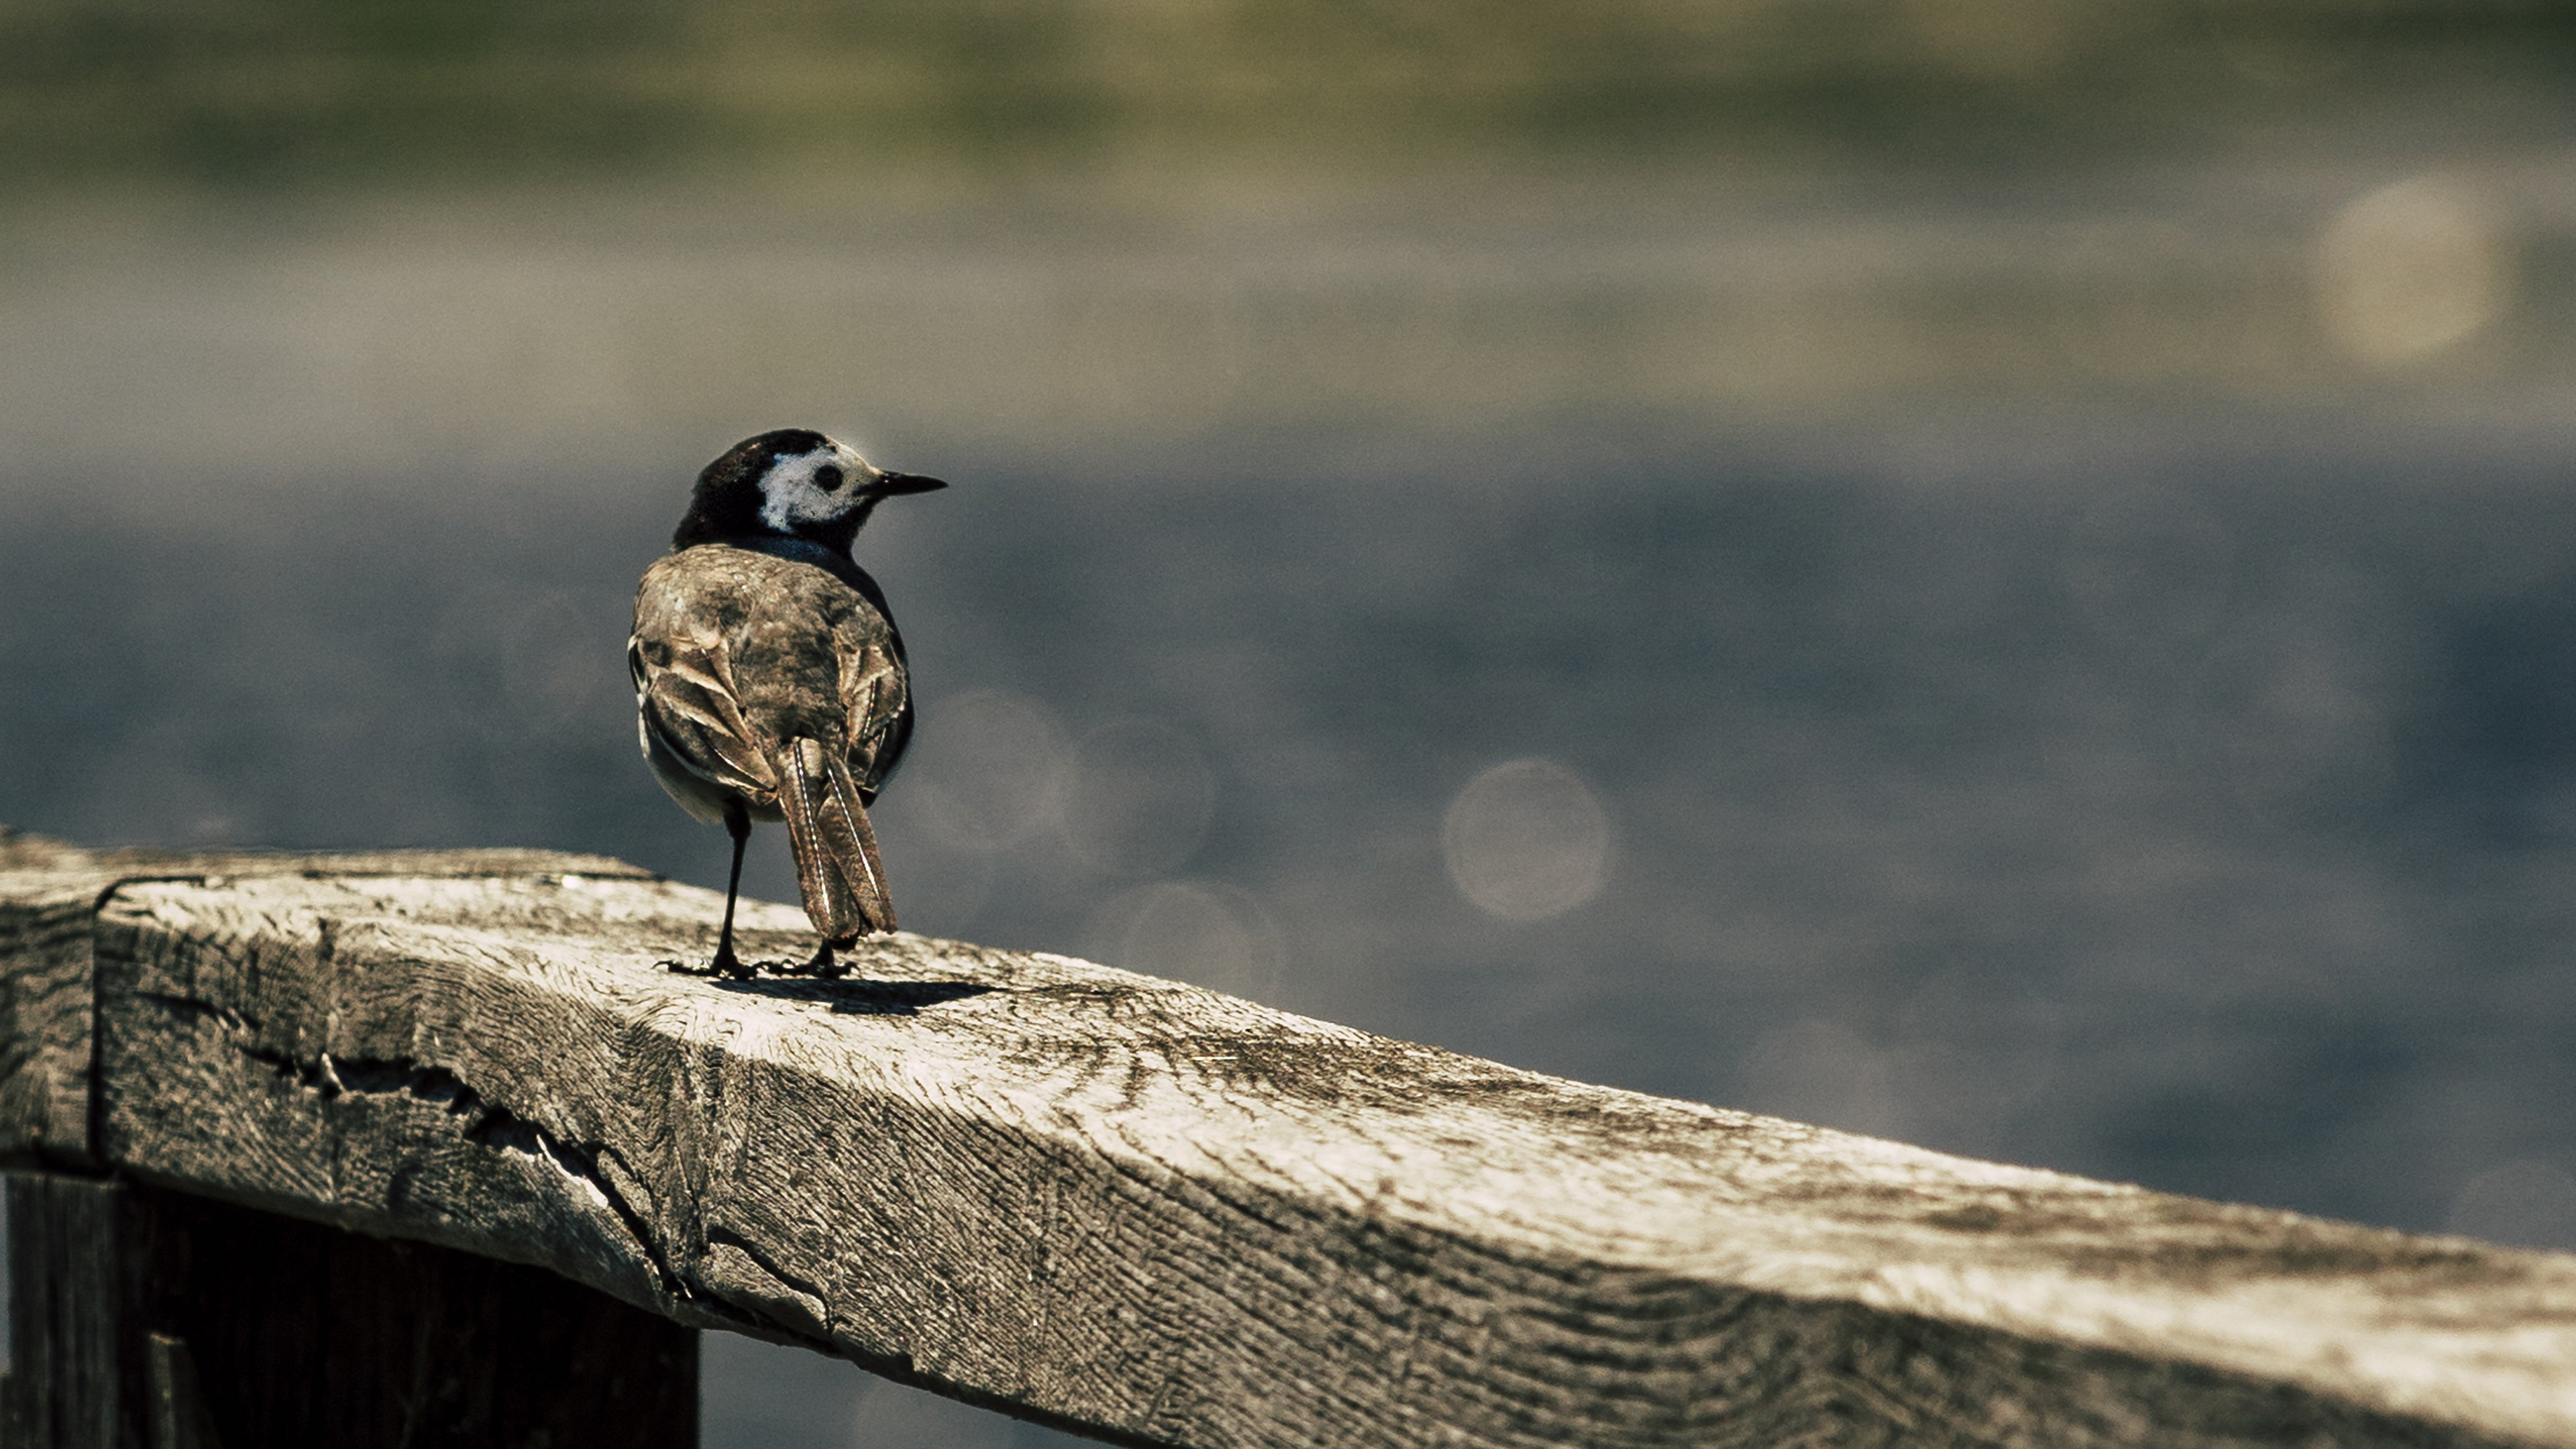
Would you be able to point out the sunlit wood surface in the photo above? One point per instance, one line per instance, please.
(1149, 1211)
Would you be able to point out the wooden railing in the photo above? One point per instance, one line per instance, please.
(1116, 1204)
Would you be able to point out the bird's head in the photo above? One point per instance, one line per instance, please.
(792, 482)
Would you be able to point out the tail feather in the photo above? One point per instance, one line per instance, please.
(837, 868)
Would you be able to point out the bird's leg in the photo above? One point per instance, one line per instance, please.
(824, 964)
(737, 825)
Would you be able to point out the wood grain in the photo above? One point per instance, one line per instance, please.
(1167, 1216)
(49, 893)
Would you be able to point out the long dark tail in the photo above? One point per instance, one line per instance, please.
(836, 849)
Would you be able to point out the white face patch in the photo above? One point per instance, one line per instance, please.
(789, 494)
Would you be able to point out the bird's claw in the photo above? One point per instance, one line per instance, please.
(823, 965)
(726, 963)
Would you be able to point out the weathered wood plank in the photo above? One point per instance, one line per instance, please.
(1174, 1217)
(147, 1319)
(49, 893)
(45, 1013)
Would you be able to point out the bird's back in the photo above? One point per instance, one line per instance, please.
(737, 651)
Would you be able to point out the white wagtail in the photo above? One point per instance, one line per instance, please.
(769, 679)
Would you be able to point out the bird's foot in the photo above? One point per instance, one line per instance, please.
(726, 963)
(823, 964)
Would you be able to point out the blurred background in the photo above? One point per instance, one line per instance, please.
(1995, 572)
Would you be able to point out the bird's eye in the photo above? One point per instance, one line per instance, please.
(828, 477)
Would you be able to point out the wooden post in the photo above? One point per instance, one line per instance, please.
(140, 1318)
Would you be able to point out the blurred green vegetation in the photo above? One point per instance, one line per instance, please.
(322, 91)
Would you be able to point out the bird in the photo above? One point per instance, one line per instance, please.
(770, 683)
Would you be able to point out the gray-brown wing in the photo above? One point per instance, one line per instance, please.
(874, 696)
(689, 703)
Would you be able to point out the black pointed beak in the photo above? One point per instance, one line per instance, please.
(888, 485)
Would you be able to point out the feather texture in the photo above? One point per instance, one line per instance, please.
(773, 684)
(837, 868)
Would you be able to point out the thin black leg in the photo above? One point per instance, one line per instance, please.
(737, 825)
(823, 963)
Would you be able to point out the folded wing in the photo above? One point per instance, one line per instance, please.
(875, 706)
(688, 697)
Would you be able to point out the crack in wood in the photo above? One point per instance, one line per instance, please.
(768, 1264)
(188, 1006)
(483, 1122)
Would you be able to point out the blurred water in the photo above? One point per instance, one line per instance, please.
(2080, 683)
